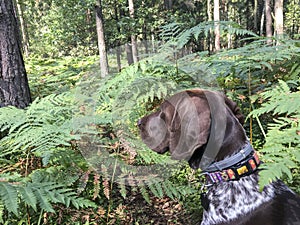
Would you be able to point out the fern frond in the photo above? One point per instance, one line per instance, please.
(145, 193)
(280, 100)
(9, 197)
(28, 196)
(177, 35)
(42, 199)
(282, 140)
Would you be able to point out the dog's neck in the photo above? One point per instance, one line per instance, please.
(231, 200)
(234, 140)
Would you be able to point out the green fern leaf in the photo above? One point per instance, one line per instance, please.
(159, 189)
(172, 188)
(123, 191)
(9, 197)
(145, 193)
(167, 191)
(153, 189)
(28, 196)
(43, 199)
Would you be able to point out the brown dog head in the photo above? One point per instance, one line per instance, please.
(192, 122)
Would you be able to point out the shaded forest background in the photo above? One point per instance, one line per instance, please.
(71, 153)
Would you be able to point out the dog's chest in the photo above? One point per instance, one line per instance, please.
(230, 200)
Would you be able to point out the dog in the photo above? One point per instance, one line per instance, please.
(205, 128)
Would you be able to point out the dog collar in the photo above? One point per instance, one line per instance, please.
(243, 168)
(232, 160)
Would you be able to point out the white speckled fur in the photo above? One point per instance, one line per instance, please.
(230, 200)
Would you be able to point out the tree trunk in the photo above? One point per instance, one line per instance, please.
(261, 29)
(255, 15)
(118, 53)
(209, 39)
(101, 40)
(145, 40)
(118, 42)
(217, 25)
(279, 18)
(153, 43)
(133, 36)
(14, 88)
(168, 4)
(128, 50)
(268, 21)
(25, 41)
(229, 10)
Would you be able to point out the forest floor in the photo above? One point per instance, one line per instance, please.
(164, 211)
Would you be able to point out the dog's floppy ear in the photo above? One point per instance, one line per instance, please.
(188, 121)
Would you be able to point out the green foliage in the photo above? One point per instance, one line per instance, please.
(54, 76)
(41, 128)
(39, 194)
(281, 148)
(37, 156)
(179, 36)
(292, 17)
(60, 28)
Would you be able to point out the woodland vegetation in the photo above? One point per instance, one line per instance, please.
(75, 76)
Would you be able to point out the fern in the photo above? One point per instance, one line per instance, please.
(282, 144)
(145, 193)
(42, 195)
(28, 196)
(177, 35)
(46, 130)
(9, 197)
(281, 100)
(42, 126)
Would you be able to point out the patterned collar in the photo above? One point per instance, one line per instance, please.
(244, 167)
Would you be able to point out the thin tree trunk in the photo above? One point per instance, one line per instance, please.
(128, 50)
(118, 52)
(279, 18)
(153, 43)
(268, 21)
(228, 9)
(14, 87)
(261, 30)
(168, 4)
(133, 36)
(145, 41)
(101, 40)
(210, 46)
(255, 15)
(217, 25)
(25, 40)
(134, 49)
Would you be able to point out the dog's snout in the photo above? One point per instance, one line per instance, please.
(139, 122)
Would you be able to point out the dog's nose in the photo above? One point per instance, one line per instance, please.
(139, 122)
